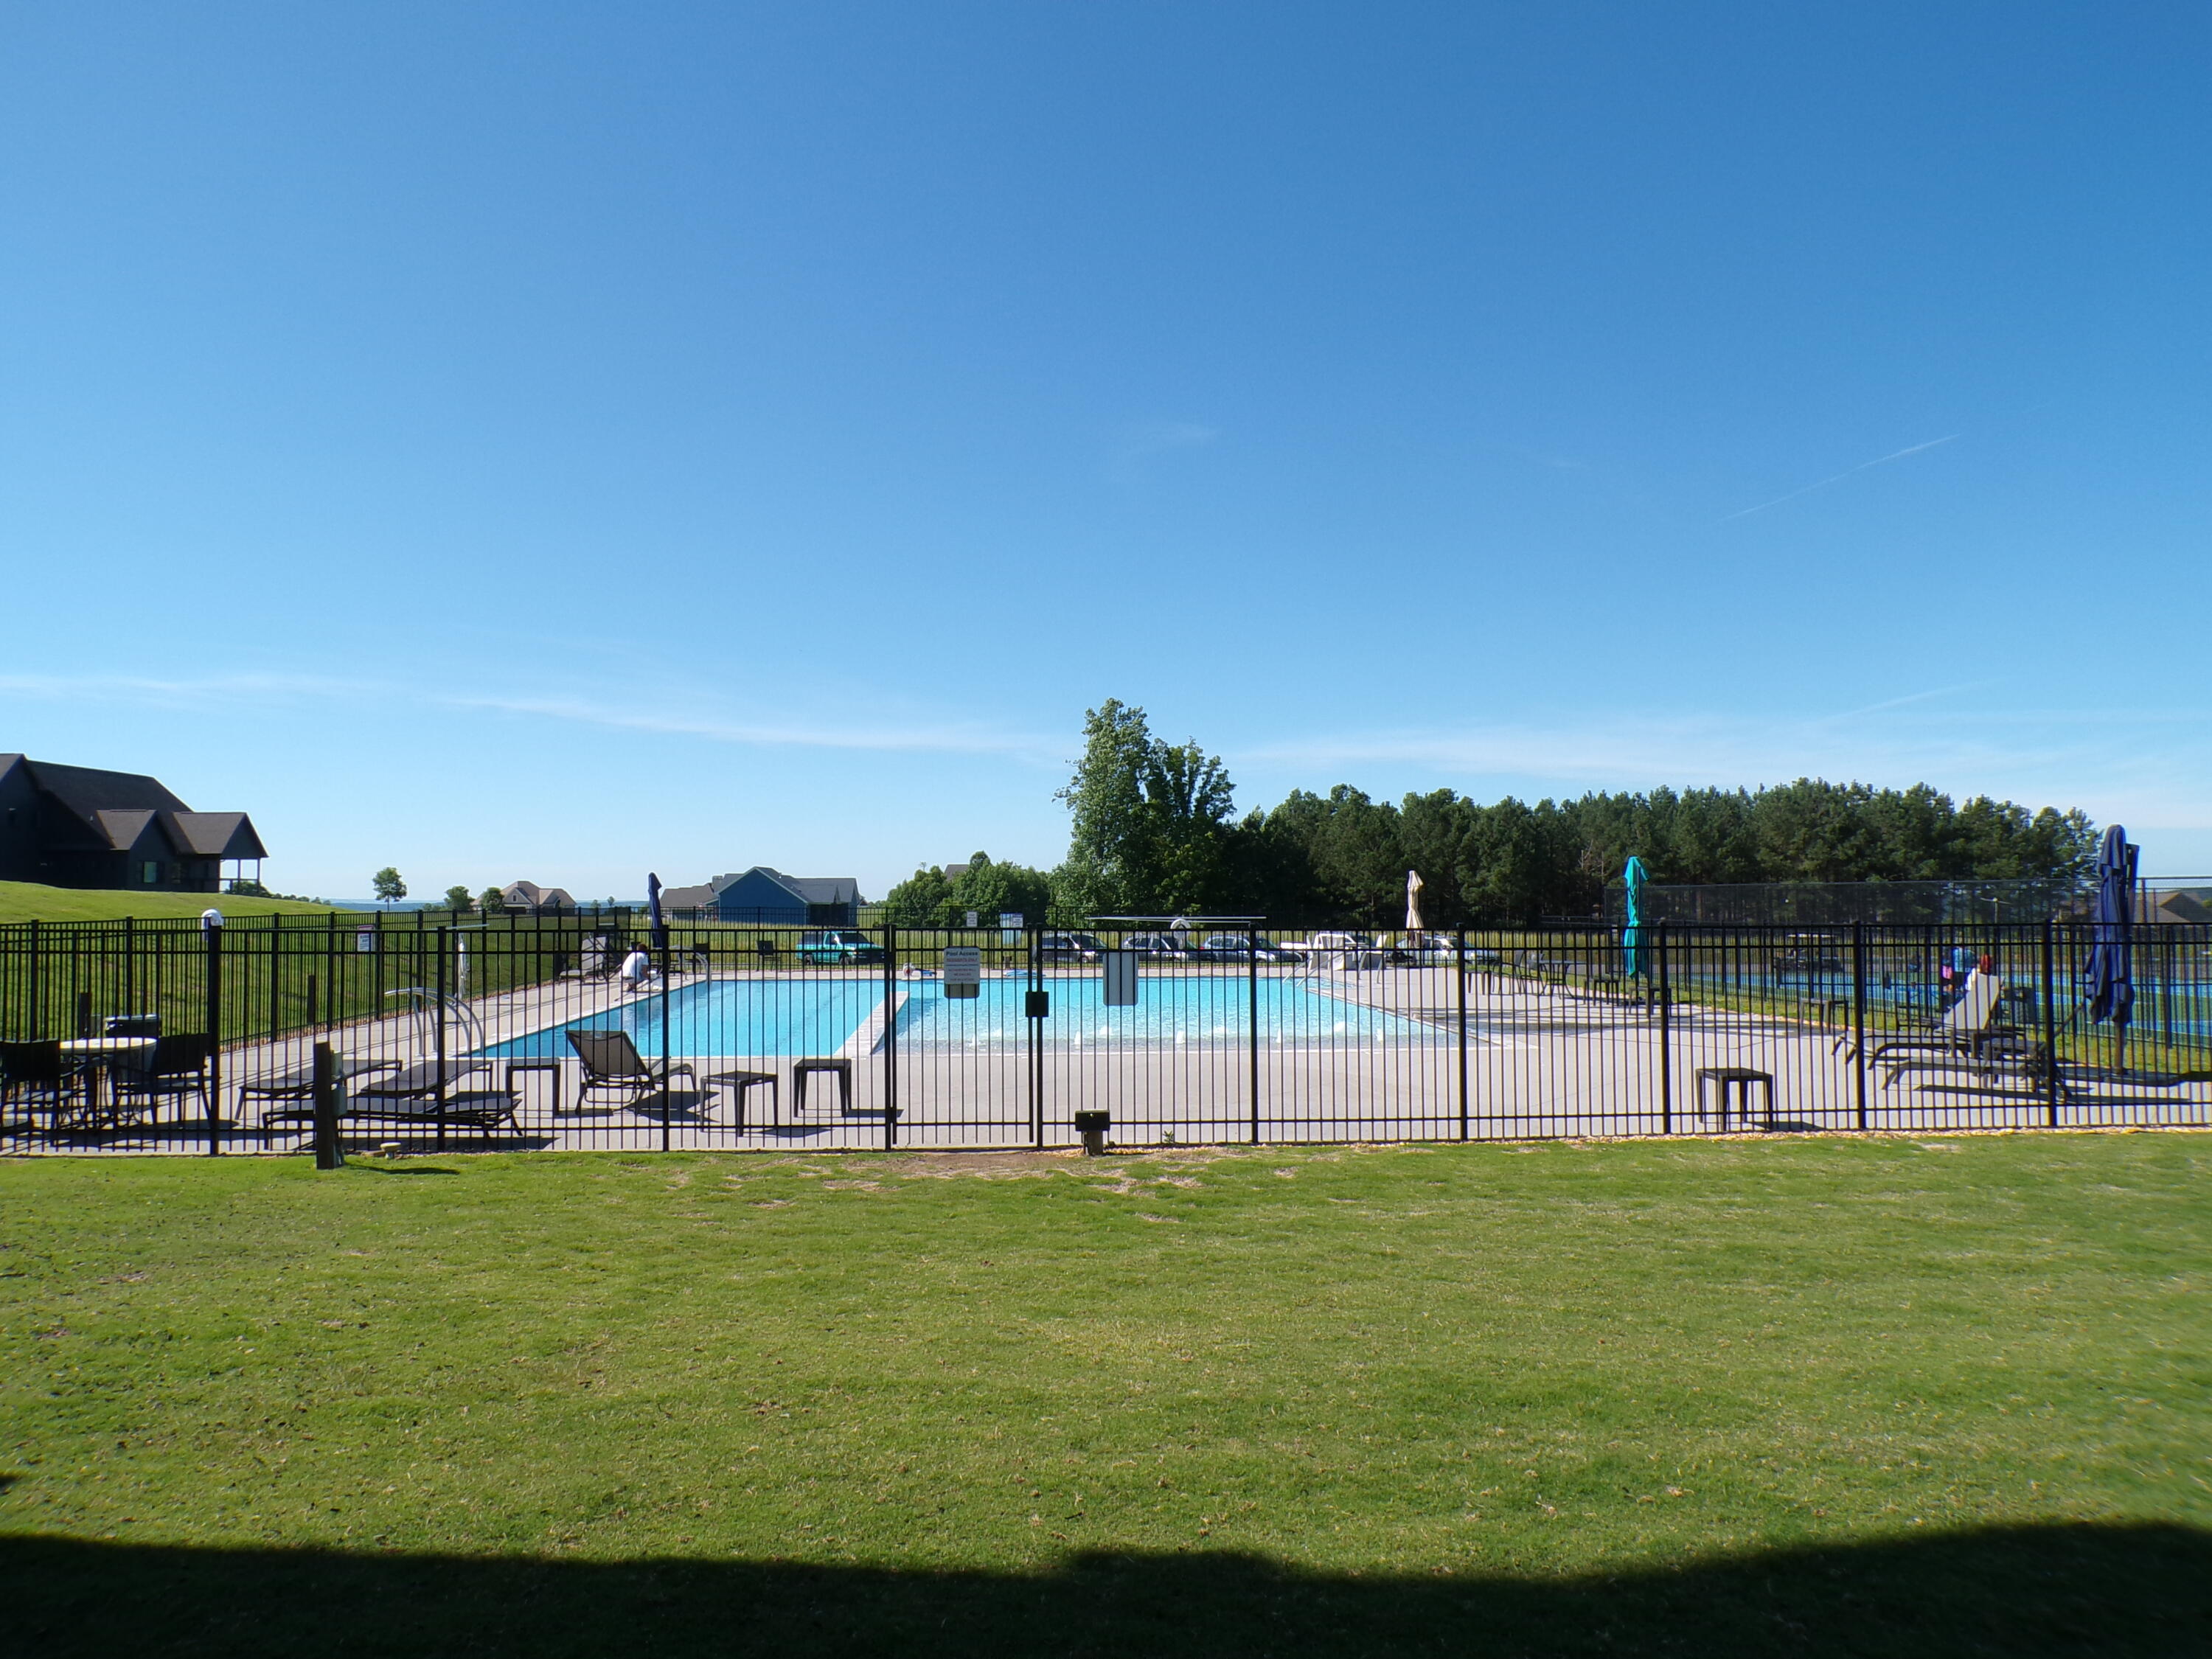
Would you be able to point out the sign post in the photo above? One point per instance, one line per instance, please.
(1119, 971)
(964, 970)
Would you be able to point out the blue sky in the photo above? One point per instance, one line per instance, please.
(562, 441)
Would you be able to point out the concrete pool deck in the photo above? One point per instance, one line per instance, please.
(1542, 1061)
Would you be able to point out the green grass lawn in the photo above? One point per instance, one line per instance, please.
(31, 901)
(1825, 1396)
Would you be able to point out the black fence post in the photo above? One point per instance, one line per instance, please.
(1858, 1018)
(443, 990)
(2050, 1019)
(211, 927)
(667, 1091)
(1666, 1046)
(890, 1036)
(1252, 1022)
(1035, 1007)
(1459, 959)
(328, 1153)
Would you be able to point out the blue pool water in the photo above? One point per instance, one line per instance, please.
(778, 1017)
(1172, 1009)
(725, 1016)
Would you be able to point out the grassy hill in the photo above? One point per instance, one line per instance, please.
(29, 901)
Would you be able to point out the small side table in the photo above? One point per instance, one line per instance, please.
(801, 1069)
(542, 1065)
(737, 1083)
(1735, 1085)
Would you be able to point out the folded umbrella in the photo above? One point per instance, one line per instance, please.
(1631, 935)
(2108, 975)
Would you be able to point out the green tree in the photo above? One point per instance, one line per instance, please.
(921, 901)
(388, 887)
(1109, 869)
(1189, 799)
(1436, 832)
(457, 899)
(992, 890)
(492, 901)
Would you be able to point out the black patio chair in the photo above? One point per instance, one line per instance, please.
(611, 1060)
(36, 1075)
(173, 1067)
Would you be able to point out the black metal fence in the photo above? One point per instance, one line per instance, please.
(580, 1031)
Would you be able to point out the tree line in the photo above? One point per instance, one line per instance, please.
(1154, 831)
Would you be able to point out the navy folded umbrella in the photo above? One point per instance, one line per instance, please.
(653, 912)
(2109, 975)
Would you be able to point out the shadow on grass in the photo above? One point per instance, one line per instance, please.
(2019, 1591)
(362, 1162)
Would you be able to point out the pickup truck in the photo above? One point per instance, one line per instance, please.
(831, 947)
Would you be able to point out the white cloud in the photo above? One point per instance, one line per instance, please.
(1848, 472)
(677, 712)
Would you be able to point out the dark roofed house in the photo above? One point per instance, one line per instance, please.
(765, 896)
(75, 826)
(531, 899)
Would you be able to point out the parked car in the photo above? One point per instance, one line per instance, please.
(1424, 950)
(1158, 947)
(832, 947)
(1069, 947)
(1239, 947)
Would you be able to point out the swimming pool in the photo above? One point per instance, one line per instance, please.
(778, 1017)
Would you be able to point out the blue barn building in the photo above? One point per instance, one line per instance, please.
(769, 897)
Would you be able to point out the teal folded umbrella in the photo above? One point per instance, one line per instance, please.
(1632, 936)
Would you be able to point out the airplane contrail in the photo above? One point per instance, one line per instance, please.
(1847, 472)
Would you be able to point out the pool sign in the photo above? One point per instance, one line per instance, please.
(964, 970)
(1120, 968)
(364, 940)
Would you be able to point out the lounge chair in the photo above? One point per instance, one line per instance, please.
(424, 1077)
(1958, 1030)
(35, 1075)
(299, 1083)
(471, 1108)
(427, 1095)
(611, 1061)
(1991, 1056)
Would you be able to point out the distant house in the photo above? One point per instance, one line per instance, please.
(2177, 904)
(73, 826)
(763, 895)
(531, 899)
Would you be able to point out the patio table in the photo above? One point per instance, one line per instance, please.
(98, 1055)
